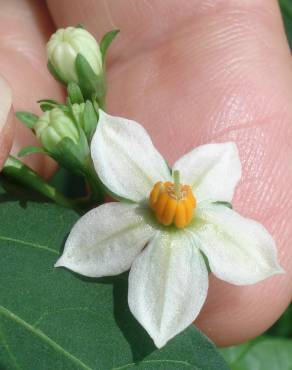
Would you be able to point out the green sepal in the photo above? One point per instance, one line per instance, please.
(95, 104)
(75, 93)
(29, 119)
(46, 106)
(89, 82)
(71, 114)
(80, 25)
(106, 41)
(90, 119)
(49, 101)
(83, 145)
(30, 149)
(72, 156)
(206, 261)
(223, 203)
(63, 107)
(56, 74)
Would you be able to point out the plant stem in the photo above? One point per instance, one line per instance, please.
(17, 170)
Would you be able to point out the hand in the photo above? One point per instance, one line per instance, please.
(203, 71)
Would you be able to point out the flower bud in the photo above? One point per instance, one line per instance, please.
(54, 125)
(62, 50)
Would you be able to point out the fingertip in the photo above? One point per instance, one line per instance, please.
(7, 122)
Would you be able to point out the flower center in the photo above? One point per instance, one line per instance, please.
(172, 202)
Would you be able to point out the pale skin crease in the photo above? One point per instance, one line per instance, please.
(191, 72)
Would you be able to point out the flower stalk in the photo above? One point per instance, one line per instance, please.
(15, 169)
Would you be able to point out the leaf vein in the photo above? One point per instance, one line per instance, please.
(8, 350)
(153, 362)
(10, 315)
(51, 312)
(30, 244)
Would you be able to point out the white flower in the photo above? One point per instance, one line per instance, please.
(168, 278)
(63, 47)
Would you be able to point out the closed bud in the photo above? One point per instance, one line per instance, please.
(55, 124)
(63, 48)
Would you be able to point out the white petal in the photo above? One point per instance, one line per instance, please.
(213, 170)
(168, 284)
(106, 240)
(240, 250)
(125, 159)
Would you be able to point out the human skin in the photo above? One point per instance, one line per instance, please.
(191, 72)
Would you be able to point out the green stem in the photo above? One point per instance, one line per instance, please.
(17, 170)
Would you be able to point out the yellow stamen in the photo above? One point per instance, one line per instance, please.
(172, 203)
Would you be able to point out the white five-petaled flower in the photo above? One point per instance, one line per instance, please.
(163, 244)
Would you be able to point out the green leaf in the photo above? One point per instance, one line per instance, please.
(106, 41)
(55, 319)
(89, 120)
(283, 327)
(263, 353)
(31, 149)
(29, 119)
(74, 93)
(286, 8)
(89, 82)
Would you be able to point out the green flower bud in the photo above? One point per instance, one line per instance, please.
(55, 124)
(62, 50)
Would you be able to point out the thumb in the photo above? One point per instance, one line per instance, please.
(7, 122)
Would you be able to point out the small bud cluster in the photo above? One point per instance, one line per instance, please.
(65, 130)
